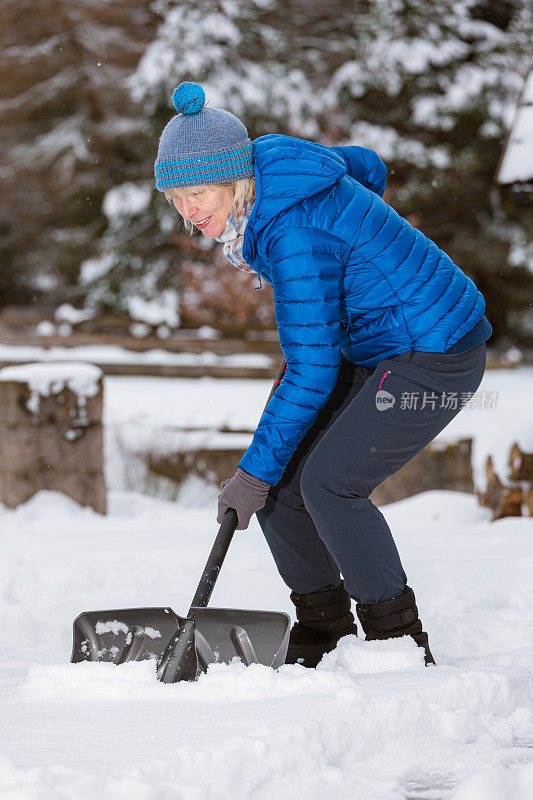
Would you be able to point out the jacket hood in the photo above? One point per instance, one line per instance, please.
(287, 170)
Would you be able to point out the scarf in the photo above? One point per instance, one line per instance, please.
(232, 237)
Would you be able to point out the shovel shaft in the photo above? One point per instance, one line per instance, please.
(215, 560)
(225, 535)
(181, 663)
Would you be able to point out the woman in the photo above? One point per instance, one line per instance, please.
(384, 342)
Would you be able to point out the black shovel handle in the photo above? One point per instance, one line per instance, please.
(225, 535)
(216, 559)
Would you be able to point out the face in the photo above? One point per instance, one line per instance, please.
(208, 209)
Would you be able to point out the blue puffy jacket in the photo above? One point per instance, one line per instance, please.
(349, 275)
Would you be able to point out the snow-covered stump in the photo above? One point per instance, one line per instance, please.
(51, 433)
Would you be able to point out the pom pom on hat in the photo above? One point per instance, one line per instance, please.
(188, 98)
(201, 145)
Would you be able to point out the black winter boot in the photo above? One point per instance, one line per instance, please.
(398, 617)
(323, 618)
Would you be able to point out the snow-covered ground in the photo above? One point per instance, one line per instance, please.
(371, 722)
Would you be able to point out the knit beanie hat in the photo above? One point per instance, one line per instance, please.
(201, 145)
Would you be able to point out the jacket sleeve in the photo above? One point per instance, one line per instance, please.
(307, 277)
(365, 166)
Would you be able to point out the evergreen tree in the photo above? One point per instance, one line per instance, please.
(245, 55)
(70, 132)
(433, 87)
(430, 86)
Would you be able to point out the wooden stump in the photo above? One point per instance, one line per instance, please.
(438, 466)
(520, 464)
(51, 434)
(210, 465)
(504, 501)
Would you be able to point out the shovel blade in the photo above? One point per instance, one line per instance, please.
(181, 647)
(125, 634)
(256, 637)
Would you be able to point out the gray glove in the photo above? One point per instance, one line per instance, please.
(245, 493)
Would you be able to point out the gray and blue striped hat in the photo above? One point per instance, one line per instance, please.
(201, 145)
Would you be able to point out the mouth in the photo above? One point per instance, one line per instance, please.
(202, 224)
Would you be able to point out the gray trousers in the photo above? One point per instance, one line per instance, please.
(318, 520)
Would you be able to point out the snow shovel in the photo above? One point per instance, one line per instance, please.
(184, 646)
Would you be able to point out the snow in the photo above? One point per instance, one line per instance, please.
(207, 332)
(67, 313)
(370, 722)
(115, 627)
(65, 139)
(204, 402)
(47, 379)
(139, 330)
(113, 354)
(390, 145)
(163, 308)
(468, 83)
(203, 42)
(111, 627)
(45, 328)
(93, 268)
(127, 200)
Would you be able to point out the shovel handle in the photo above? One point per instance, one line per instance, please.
(225, 534)
(215, 560)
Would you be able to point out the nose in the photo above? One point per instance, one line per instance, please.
(188, 209)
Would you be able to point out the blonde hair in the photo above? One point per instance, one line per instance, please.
(241, 191)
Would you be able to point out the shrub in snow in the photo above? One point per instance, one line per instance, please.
(222, 296)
